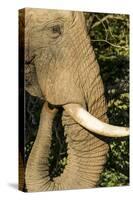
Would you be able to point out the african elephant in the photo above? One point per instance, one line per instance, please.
(61, 67)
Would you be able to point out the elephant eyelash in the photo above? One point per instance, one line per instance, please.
(55, 31)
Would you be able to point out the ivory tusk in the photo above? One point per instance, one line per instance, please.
(91, 123)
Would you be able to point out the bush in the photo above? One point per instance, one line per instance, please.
(110, 38)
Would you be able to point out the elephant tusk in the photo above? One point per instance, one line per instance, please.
(91, 123)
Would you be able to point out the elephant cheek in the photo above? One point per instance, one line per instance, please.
(63, 90)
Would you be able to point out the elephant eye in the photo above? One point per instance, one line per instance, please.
(56, 31)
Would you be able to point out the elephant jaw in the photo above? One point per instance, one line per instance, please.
(91, 123)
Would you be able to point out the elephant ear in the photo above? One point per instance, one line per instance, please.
(31, 82)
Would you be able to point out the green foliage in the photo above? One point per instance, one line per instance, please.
(110, 39)
(116, 172)
(58, 153)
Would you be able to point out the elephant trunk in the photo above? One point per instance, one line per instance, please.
(37, 170)
(86, 156)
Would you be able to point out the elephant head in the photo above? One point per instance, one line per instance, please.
(61, 67)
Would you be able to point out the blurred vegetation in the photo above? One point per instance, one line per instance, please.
(110, 39)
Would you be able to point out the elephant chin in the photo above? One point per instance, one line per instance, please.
(91, 123)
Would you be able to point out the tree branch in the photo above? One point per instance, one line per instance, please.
(114, 45)
(105, 18)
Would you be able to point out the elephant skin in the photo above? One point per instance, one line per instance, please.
(61, 68)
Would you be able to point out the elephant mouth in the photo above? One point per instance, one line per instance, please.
(91, 123)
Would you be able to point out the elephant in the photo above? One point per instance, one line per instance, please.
(61, 68)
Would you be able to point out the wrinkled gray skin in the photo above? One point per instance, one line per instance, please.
(60, 66)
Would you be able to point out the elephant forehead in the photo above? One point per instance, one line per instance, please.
(44, 15)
